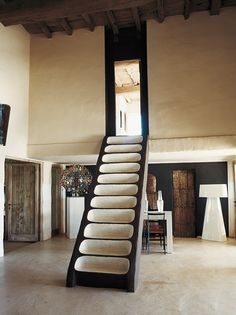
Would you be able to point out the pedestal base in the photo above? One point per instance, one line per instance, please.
(213, 227)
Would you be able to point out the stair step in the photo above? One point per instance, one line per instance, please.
(111, 215)
(105, 247)
(114, 202)
(123, 148)
(108, 231)
(124, 139)
(121, 157)
(119, 168)
(118, 178)
(113, 265)
(115, 190)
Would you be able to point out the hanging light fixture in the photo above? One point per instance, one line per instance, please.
(76, 180)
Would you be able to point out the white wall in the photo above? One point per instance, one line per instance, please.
(14, 89)
(67, 94)
(191, 78)
(46, 179)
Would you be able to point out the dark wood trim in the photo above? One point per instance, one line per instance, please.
(66, 26)
(160, 11)
(45, 29)
(88, 20)
(109, 86)
(215, 6)
(136, 17)
(112, 22)
(187, 8)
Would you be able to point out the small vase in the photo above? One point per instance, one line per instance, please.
(160, 202)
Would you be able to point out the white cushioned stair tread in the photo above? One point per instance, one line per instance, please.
(115, 148)
(114, 202)
(109, 231)
(115, 190)
(112, 265)
(118, 178)
(105, 247)
(111, 215)
(119, 168)
(124, 139)
(121, 157)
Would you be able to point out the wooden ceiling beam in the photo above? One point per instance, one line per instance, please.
(160, 11)
(127, 89)
(45, 29)
(28, 11)
(215, 6)
(187, 8)
(136, 18)
(112, 22)
(88, 20)
(66, 26)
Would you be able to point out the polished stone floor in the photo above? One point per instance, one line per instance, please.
(199, 278)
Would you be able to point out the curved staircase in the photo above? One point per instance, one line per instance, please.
(108, 245)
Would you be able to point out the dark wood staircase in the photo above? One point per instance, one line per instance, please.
(108, 246)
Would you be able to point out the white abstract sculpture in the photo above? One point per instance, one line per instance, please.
(213, 227)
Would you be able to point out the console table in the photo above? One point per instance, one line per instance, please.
(169, 229)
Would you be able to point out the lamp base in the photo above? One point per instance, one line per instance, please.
(213, 227)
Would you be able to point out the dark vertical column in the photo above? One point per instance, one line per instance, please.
(110, 85)
(144, 84)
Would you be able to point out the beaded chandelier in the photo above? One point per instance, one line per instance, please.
(76, 180)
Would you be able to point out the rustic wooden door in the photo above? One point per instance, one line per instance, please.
(56, 200)
(184, 212)
(22, 202)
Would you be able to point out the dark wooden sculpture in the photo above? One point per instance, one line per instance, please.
(151, 192)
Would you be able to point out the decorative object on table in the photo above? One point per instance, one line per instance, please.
(213, 226)
(160, 201)
(151, 192)
(76, 180)
(4, 119)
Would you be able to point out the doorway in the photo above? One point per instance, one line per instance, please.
(127, 89)
(22, 199)
(184, 209)
(126, 82)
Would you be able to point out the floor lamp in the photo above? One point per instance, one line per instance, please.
(213, 226)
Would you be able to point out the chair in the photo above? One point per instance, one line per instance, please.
(155, 230)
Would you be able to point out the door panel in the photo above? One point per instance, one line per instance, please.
(184, 203)
(56, 200)
(22, 200)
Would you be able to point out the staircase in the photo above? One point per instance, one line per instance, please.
(108, 246)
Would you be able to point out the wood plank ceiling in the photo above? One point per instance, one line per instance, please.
(49, 16)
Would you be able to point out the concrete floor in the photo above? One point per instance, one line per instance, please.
(198, 279)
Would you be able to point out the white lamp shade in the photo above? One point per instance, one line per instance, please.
(213, 190)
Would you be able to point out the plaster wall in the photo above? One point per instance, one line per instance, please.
(191, 78)
(14, 89)
(67, 94)
(46, 179)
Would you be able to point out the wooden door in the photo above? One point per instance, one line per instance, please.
(184, 203)
(22, 202)
(56, 200)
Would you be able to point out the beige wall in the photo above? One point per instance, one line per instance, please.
(14, 89)
(67, 94)
(192, 75)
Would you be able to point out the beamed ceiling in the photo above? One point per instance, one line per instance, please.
(49, 16)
